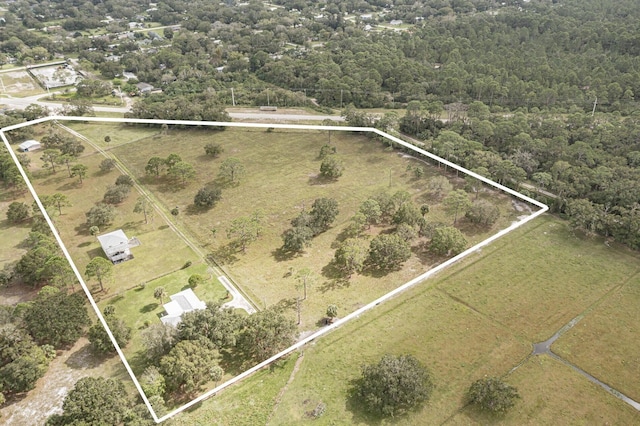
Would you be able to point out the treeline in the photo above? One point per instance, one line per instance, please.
(589, 165)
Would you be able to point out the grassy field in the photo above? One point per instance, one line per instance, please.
(157, 238)
(605, 343)
(458, 342)
(537, 287)
(282, 178)
(552, 393)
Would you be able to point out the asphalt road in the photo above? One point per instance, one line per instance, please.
(22, 103)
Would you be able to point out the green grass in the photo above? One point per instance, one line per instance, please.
(460, 342)
(552, 393)
(246, 404)
(118, 133)
(138, 308)
(605, 342)
(13, 235)
(161, 251)
(282, 169)
(536, 284)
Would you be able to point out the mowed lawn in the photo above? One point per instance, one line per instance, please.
(605, 342)
(161, 251)
(282, 179)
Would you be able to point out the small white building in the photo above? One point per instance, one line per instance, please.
(117, 246)
(185, 301)
(29, 145)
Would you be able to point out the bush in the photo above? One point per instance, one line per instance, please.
(107, 165)
(124, 180)
(186, 265)
(213, 149)
(394, 385)
(116, 194)
(492, 394)
(207, 196)
(17, 212)
(331, 167)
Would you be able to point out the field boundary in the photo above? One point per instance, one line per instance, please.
(542, 209)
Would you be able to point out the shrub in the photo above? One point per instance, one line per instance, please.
(107, 165)
(207, 196)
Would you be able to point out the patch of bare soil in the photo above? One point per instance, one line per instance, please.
(47, 397)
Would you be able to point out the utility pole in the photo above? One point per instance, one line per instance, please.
(233, 98)
(340, 98)
(594, 107)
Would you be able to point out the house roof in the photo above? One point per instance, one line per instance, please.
(114, 242)
(184, 301)
(29, 144)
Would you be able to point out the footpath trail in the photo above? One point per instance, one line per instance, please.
(239, 300)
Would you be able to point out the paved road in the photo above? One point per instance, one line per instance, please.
(22, 103)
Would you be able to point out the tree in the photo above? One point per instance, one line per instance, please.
(67, 160)
(158, 339)
(154, 166)
(107, 165)
(331, 167)
(207, 196)
(297, 238)
(79, 170)
(457, 202)
(57, 272)
(22, 362)
(125, 180)
(100, 340)
(17, 212)
(305, 278)
(171, 160)
(152, 382)
(71, 147)
(59, 200)
(57, 320)
(232, 170)
(160, 293)
(266, 333)
(483, 212)
(188, 364)
(332, 312)
(143, 205)
(407, 214)
(183, 171)
(196, 279)
(492, 394)
(447, 240)
(326, 149)
(371, 211)
(100, 215)
(219, 325)
(323, 212)
(244, 230)
(350, 256)
(213, 149)
(388, 251)
(95, 400)
(101, 269)
(394, 385)
(51, 158)
(116, 194)
(107, 139)
(439, 185)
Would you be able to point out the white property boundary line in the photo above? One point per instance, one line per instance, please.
(298, 345)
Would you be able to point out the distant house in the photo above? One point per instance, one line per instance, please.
(144, 88)
(29, 145)
(117, 246)
(396, 22)
(185, 301)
